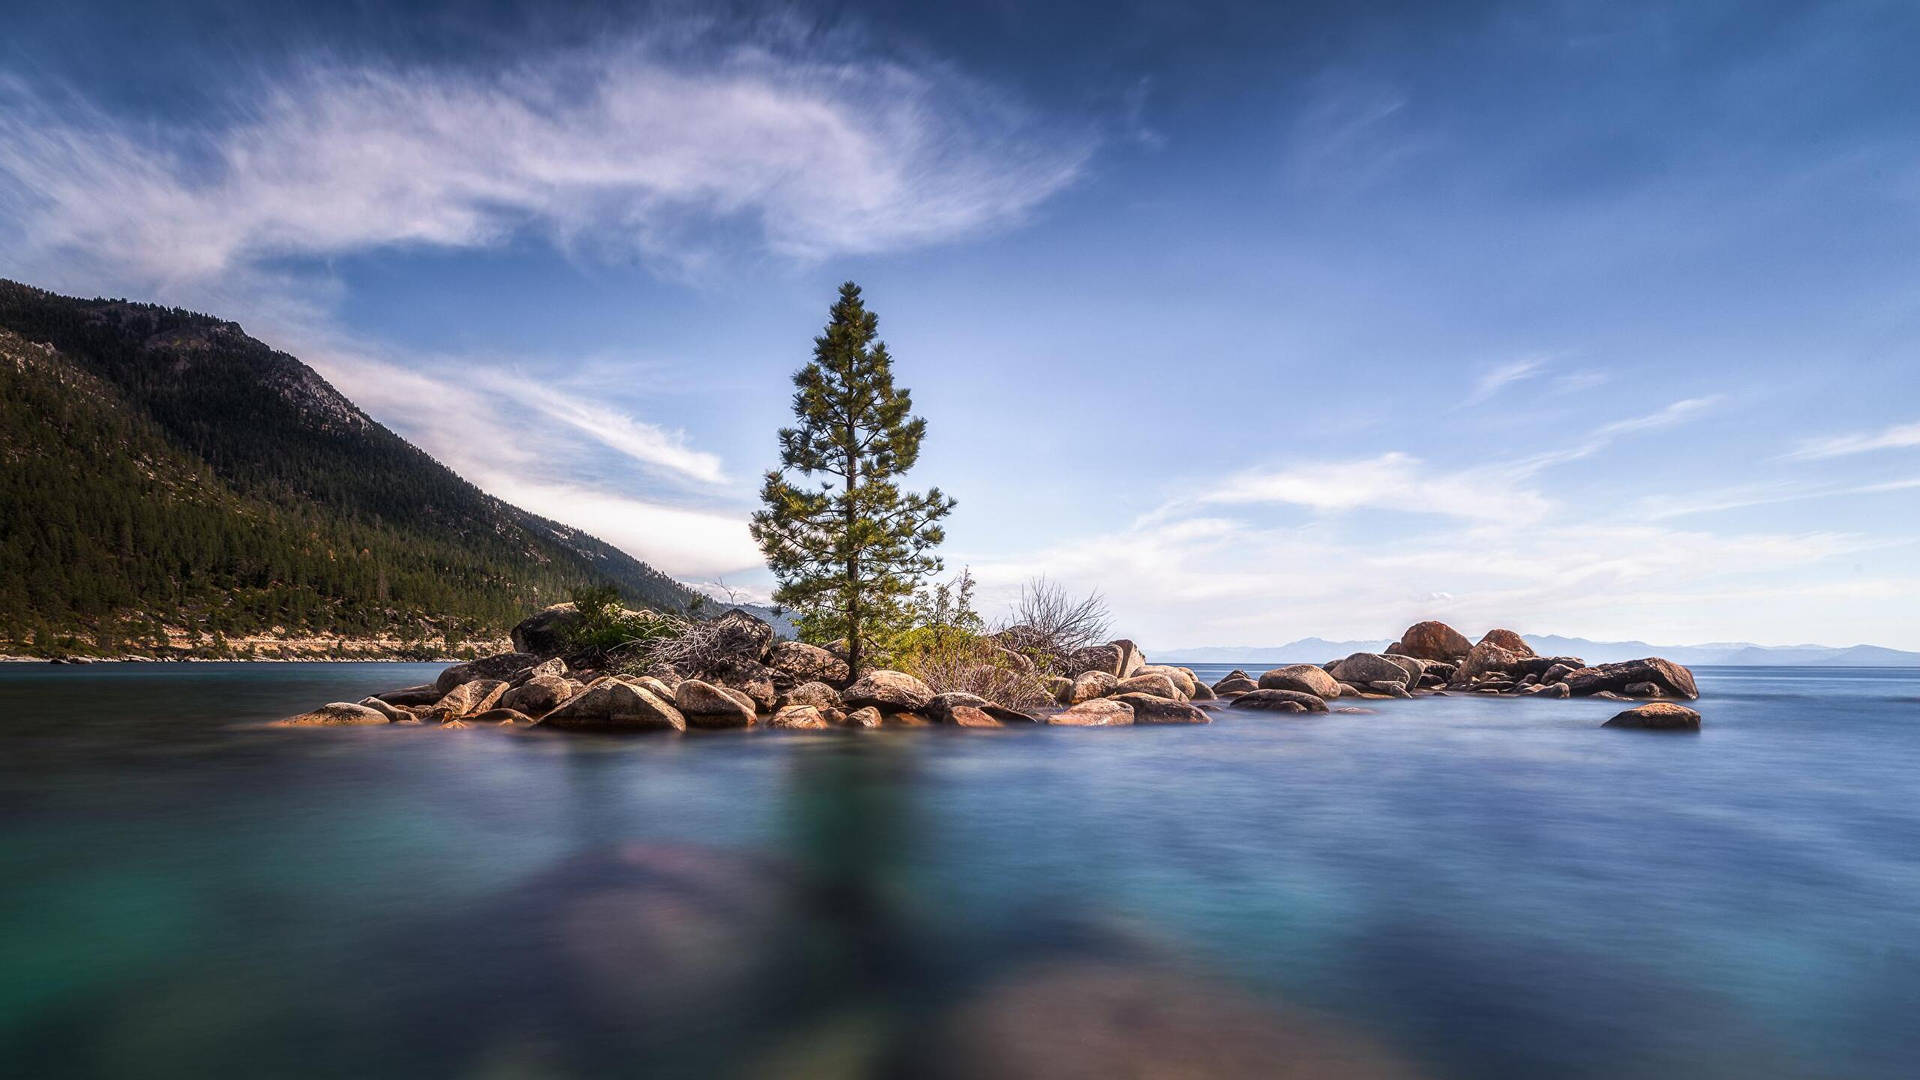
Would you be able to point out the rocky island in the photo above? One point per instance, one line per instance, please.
(742, 676)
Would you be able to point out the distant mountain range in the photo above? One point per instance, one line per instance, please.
(1729, 653)
(169, 482)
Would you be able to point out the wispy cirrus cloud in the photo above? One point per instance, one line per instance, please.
(1895, 437)
(642, 147)
(1497, 379)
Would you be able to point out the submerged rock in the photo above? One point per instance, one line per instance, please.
(1363, 668)
(337, 714)
(1281, 701)
(1101, 712)
(864, 717)
(800, 718)
(1152, 709)
(1658, 716)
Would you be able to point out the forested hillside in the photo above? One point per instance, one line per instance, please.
(168, 482)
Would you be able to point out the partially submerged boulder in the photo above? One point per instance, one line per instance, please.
(707, 706)
(817, 694)
(1235, 682)
(425, 694)
(1673, 679)
(1182, 678)
(393, 713)
(1301, 678)
(1490, 658)
(890, 690)
(1150, 683)
(1281, 701)
(1657, 716)
(612, 705)
(1153, 709)
(800, 718)
(1102, 712)
(864, 717)
(1363, 668)
(337, 714)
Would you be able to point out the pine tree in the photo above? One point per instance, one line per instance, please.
(849, 551)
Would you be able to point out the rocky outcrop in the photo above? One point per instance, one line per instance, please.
(708, 706)
(1104, 712)
(805, 663)
(394, 713)
(1657, 716)
(1673, 679)
(1119, 658)
(1152, 709)
(613, 705)
(1281, 701)
(888, 690)
(547, 632)
(337, 714)
(413, 695)
(1303, 679)
(1235, 682)
(1432, 640)
(503, 666)
(1363, 668)
(1490, 658)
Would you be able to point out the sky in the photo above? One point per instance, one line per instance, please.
(1264, 321)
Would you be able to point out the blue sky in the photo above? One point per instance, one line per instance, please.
(1597, 319)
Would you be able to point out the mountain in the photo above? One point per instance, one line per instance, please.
(168, 480)
(1724, 653)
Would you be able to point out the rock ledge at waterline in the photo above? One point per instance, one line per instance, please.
(787, 685)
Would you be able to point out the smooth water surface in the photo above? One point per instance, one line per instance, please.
(1466, 887)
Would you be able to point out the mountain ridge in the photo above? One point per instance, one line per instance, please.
(172, 481)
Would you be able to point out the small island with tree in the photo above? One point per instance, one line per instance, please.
(881, 644)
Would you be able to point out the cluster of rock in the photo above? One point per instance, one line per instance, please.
(1434, 658)
(750, 679)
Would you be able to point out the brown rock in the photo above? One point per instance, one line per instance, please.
(1152, 683)
(1508, 640)
(1101, 658)
(809, 663)
(393, 713)
(1182, 679)
(1433, 640)
(707, 706)
(865, 717)
(1281, 701)
(1235, 684)
(502, 717)
(1090, 685)
(1363, 668)
(1673, 679)
(888, 690)
(799, 718)
(537, 696)
(337, 714)
(1153, 709)
(612, 705)
(413, 695)
(1489, 658)
(548, 631)
(1303, 679)
(1658, 716)
(1060, 688)
(817, 694)
(1101, 712)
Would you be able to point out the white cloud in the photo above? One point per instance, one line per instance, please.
(1503, 376)
(645, 146)
(1897, 437)
(662, 451)
(1660, 507)
(1390, 481)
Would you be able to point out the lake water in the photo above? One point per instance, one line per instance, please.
(1448, 887)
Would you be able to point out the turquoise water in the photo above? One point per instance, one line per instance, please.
(1467, 887)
